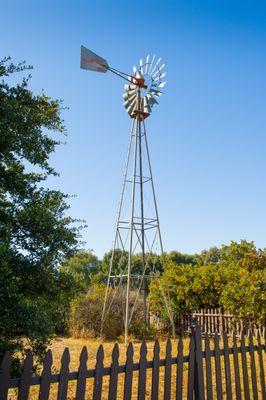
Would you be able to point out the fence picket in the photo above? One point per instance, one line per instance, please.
(253, 367)
(142, 372)
(236, 368)
(63, 378)
(179, 372)
(227, 367)
(199, 378)
(208, 368)
(46, 376)
(155, 371)
(24, 387)
(5, 376)
(81, 381)
(168, 371)
(114, 374)
(262, 379)
(129, 373)
(218, 373)
(244, 366)
(191, 368)
(98, 378)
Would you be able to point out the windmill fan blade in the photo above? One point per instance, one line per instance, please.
(129, 87)
(158, 62)
(130, 101)
(161, 84)
(151, 65)
(130, 92)
(152, 99)
(128, 95)
(160, 77)
(158, 70)
(147, 64)
(141, 65)
(138, 75)
(134, 69)
(131, 98)
(146, 106)
(131, 107)
(155, 90)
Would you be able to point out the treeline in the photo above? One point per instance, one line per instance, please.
(231, 277)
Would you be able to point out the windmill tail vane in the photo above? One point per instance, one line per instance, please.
(137, 229)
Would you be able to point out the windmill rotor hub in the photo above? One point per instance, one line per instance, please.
(140, 82)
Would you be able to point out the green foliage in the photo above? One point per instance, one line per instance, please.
(242, 278)
(119, 260)
(35, 233)
(178, 258)
(84, 268)
(232, 277)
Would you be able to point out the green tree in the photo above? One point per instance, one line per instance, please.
(119, 259)
(84, 268)
(232, 277)
(179, 258)
(35, 233)
(243, 280)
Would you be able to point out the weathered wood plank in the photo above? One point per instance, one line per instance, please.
(199, 378)
(129, 373)
(236, 368)
(218, 373)
(142, 372)
(46, 376)
(114, 374)
(261, 365)
(208, 368)
(244, 366)
(5, 378)
(98, 379)
(63, 379)
(168, 371)
(253, 366)
(155, 371)
(24, 387)
(227, 368)
(179, 372)
(81, 380)
(191, 369)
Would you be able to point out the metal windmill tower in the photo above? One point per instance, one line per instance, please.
(137, 229)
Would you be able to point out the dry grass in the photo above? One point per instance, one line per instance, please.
(75, 346)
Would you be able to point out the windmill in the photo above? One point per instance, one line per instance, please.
(137, 229)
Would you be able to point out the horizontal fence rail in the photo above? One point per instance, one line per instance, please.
(210, 369)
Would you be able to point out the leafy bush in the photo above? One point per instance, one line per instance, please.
(87, 313)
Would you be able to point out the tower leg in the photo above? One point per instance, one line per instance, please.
(131, 235)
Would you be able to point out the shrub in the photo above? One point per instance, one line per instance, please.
(87, 314)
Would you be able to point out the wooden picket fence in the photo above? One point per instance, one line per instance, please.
(215, 320)
(212, 320)
(232, 371)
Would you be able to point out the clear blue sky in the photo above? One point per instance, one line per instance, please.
(207, 138)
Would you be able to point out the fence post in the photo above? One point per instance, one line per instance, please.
(198, 370)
